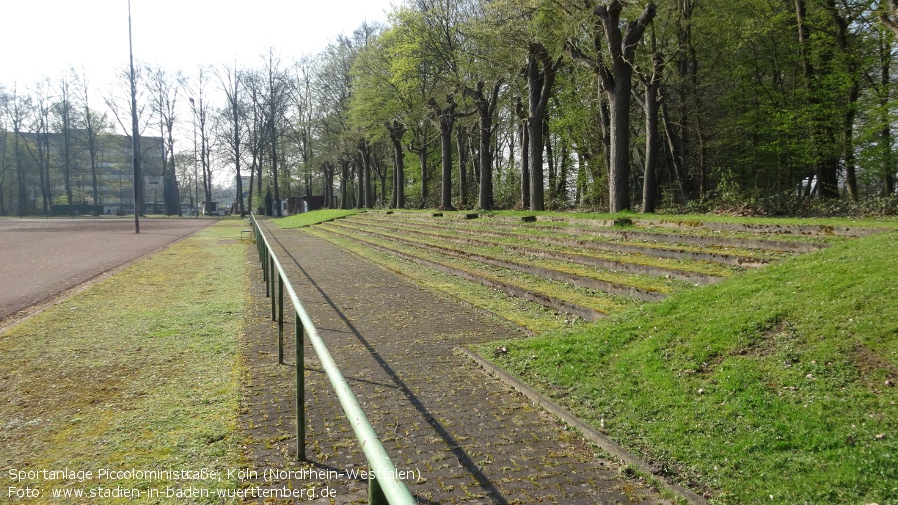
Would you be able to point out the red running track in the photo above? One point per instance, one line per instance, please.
(43, 258)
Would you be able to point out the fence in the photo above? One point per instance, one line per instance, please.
(384, 486)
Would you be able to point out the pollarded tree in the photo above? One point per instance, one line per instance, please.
(486, 67)
(486, 101)
(380, 102)
(404, 75)
(651, 105)
(533, 29)
(540, 70)
(617, 80)
(436, 29)
(444, 118)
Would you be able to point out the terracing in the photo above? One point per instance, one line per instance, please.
(587, 268)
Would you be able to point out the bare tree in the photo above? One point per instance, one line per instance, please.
(120, 103)
(166, 88)
(64, 125)
(233, 117)
(200, 107)
(276, 96)
(40, 126)
(16, 107)
(254, 85)
(92, 125)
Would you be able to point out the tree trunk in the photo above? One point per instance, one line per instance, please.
(652, 104)
(397, 130)
(274, 172)
(619, 153)
(461, 146)
(885, 134)
(444, 119)
(848, 142)
(20, 171)
(825, 164)
(486, 108)
(422, 159)
(618, 85)
(541, 70)
(344, 183)
(525, 155)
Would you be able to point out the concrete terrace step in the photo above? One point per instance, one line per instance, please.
(479, 277)
(457, 233)
(688, 235)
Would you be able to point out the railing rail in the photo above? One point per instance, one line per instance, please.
(384, 485)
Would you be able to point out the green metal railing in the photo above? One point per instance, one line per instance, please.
(384, 486)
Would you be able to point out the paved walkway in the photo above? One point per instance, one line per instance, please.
(467, 437)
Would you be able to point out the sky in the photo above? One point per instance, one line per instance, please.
(43, 38)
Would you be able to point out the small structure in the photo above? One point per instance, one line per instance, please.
(299, 204)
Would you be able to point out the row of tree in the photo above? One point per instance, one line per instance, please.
(517, 103)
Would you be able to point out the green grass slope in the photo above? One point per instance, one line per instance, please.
(776, 386)
(313, 217)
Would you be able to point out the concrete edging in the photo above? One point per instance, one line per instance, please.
(590, 433)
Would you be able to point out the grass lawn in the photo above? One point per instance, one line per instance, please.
(775, 386)
(140, 371)
(313, 217)
(889, 222)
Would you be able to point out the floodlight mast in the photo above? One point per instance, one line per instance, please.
(135, 139)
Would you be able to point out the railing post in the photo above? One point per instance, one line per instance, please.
(280, 320)
(265, 273)
(274, 279)
(300, 390)
(375, 493)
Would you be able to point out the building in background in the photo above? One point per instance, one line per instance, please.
(68, 186)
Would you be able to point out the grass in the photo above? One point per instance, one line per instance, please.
(506, 233)
(138, 371)
(526, 315)
(775, 386)
(313, 217)
(890, 222)
(583, 297)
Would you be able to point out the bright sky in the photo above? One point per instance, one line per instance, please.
(44, 37)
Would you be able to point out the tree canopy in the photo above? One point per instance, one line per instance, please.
(672, 104)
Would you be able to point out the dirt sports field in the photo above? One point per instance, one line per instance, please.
(41, 259)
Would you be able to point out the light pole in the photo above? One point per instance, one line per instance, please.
(196, 195)
(135, 133)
